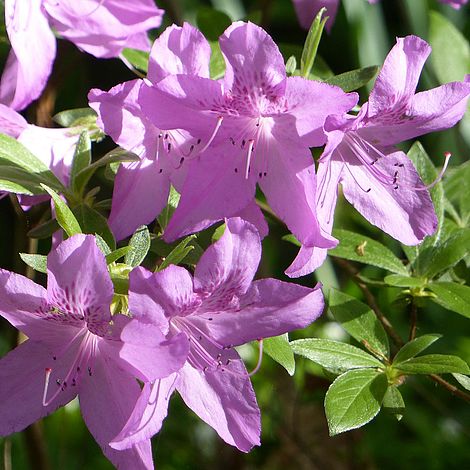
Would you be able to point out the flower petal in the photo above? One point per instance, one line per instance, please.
(179, 50)
(224, 400)
(30, 62)
(147, 418)
(253, 214)
(11, 123)
(107, 399)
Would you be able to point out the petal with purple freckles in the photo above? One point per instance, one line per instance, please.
(270, 308)
(144, 296)
(107, 399)
(179, 50)
(30, 61)
(306, 11)
(215, 190)
(71, 288)
(108, 21)
(183, 102)
(22, 375)
(309, 120)
(397, 80)
(288, 173)
(253, 59)
(171, 289)
(145, 353)
(120, 116)
(253, 214)
(404, 211)
(226, 401)
(229, 265)
(140, 193)
(11, 123)
(148, 415)
(328, 176)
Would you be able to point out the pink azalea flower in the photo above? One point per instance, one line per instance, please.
(380, 182)
(102, 28)
(163, 154)
(457, 4)
(76, 347)
(262, 126)
(221, 307)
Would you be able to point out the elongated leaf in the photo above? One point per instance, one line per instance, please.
(355, 79)
(363, 249)
(76, 117)
(17, 181)
(359, 321)
(279, 349)
(311, 43)
(94, 223)
(455, 297)
(404, 281)
(44, 230)
(334, 356)
(445, 255)
(64, 215)
(15, 156)
(81, 160)
(140, 244)
(165, 215)
(457, 188)
(354, 399)
(138, 59)
(179, 253)
(116, 254)
(393, 402)
(463, 380)
(433, 364)
(414, 347)
(102, 245)
(37, 262)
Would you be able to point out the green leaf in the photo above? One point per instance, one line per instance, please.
(17, 162)
(116, 155)
(44, 230)
(179, 253)
(463, 380)
(81, 160)
(363, 249)
(414, 347)
(335, 356)
(76, 117)
(450, 50)
(457, 188)
(359, 321)
(354, 79)
(404, 281)
(354, 399)
(279, 349)
(140, 244)
(165, 215)
(116, 254)
(17, 181)
(64, 215)
(455, 297)
(94, 223)
(433, 364)
(102, 245)
(37, 262)
(437, 259)
(212, 23)
(393, 402)
(291, 65)
(311, 44)
(217, 61)
(138, 59)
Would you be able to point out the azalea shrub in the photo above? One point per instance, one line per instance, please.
(236, 218)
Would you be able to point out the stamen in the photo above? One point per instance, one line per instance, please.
(352, 175)
(46, 385)
(157, 154)
(260, 359)
(251, 143)
(214, 133)
(447, 156)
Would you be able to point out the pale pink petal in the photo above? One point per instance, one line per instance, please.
(253, 214)
(11, 123)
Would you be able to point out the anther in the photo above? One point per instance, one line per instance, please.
(248, 159)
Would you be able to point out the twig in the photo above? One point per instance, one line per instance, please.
(451, 388)
(413, 320)
(370, 299)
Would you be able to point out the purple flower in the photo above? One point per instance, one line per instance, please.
(163, 153)
(381, 182)
(262, 126)
(221, 307)
(76, 347)
(100, 27)
(455, 3)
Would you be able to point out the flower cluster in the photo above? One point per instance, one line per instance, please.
(217, 142)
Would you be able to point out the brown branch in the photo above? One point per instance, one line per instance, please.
(451, 388)
(370, 299)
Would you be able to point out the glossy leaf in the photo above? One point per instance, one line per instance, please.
(433, 364)
(76, 117)
(93, 222)
(81, 160)
(311, 43)
(404, 281)
(279, 349)
(140, 245)
(138, 59)
(463, 380)
(453, 296)
(393, 402)
(37, 262)
(414, 347)
(178, 255)
(354, 79)
(116, 254)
